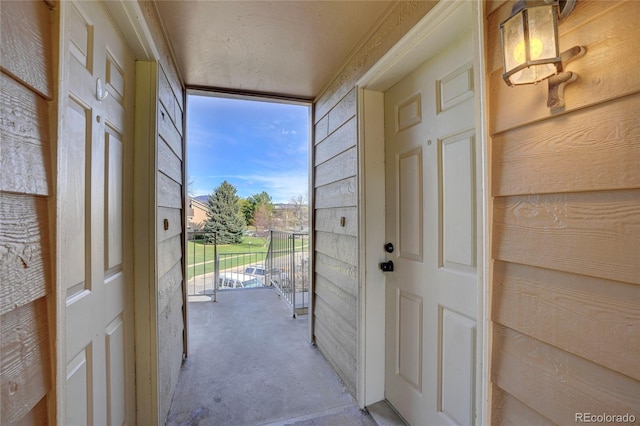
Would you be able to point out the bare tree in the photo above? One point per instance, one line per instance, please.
(300, 210)
(263, 220)
(191, 181)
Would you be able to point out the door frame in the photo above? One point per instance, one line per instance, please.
(441, 25)
(128, 17)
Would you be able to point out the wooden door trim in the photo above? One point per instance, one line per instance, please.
(440, 24)
(128, 16)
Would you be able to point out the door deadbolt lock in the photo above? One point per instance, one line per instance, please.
(388, 248)
(387, 266)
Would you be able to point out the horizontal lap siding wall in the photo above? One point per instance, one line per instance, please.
(566, 227)
(335, 307)
(26, 194)
(336, 195)
(169, 206)
(170, 239)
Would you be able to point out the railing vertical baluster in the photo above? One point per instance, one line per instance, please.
(194, 263)
(216, 269)
(270, 255)
(293, 271)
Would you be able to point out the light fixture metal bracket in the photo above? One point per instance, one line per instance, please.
(557, 83)
(566, 7)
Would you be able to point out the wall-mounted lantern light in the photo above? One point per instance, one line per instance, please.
(531, 50)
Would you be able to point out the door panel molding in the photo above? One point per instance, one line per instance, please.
(456, 176)
(410, 337)
(456, 364)
(409, 205)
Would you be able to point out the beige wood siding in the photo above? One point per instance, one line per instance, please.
(565, 306)
(335, 195)
(170, 238)
(26, 196)
(335, 308)
(170, 204)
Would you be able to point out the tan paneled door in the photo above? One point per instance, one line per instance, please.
(94, 169)
(431, 295)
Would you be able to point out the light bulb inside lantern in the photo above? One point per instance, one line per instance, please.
(535, 46)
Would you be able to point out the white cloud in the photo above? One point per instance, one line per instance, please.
(281, 187)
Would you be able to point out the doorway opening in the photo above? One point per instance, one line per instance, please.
(248, 196)
(250, 359)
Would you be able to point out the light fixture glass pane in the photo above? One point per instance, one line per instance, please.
(532, 74)
(542, 33)
(513, 42)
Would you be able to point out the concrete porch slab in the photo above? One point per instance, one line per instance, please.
(251, 363)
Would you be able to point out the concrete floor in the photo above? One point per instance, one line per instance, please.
(251, 363)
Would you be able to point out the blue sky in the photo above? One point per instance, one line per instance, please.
(255, 146)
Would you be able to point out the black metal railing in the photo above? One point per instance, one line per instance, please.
(202, 251)
(285, 266)
(287, 263)
(209, 271)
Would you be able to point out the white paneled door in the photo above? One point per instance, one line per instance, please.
(431, 295)
(94, 169)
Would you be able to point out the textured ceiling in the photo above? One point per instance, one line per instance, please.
(291, 48)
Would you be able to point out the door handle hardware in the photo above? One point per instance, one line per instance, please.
(386, 266)
(388, 248)
(101, 92)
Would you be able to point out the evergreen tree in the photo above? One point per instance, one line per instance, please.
(247, 208)
(223, 216)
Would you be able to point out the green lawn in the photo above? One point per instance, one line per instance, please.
(198, 253)
(200, 256)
